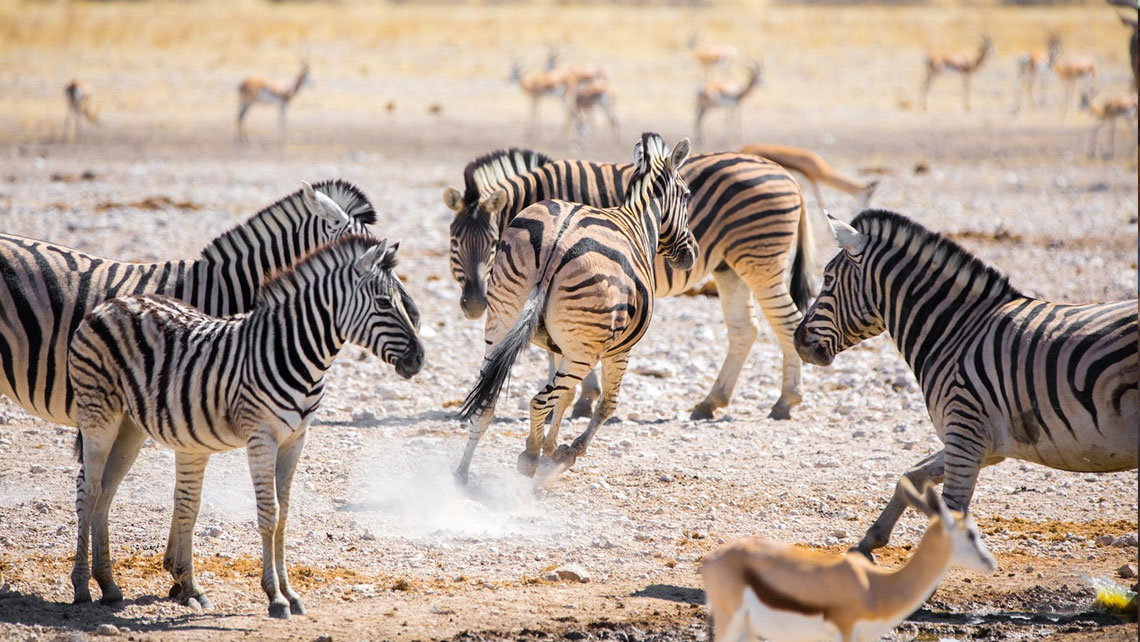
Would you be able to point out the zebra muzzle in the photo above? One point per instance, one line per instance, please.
(811, 350)
(411, 362)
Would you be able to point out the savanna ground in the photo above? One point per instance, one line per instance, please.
(382, 544)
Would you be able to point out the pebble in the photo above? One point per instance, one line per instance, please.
(839, 533)
(572, 573)
(323, 638)
(1127, 539)
(666, 477)
(1105, 540)
(1029, 568)
(211, 531)
(1128, 571)
(107, 629)
(36, 469)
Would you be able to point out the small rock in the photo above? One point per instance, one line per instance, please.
(666, 477)
(1128, 571)
(36, 469)
(323, 638)
(550, 576)
(1104, 540)
(1127, 539)
(1029, 568)
(211, 531)
(839, 533)
(364, 418)
(107, 629)
(572, 573)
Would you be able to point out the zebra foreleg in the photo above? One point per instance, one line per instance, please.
(287, 456)
(929, 469)
(780, 310)
(98, 439)
(262, 453)
(189, 468)
(736, 304)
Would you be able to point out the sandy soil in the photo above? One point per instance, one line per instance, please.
(383, 545)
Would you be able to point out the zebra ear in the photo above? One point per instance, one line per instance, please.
(848, 238)
(680, 154)
(639, 155)
(373, 255)
(496, 202)
(453, 199)
(388, 261)
(323, 206)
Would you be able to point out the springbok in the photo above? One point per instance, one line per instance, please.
(709, 57)
(255, 90)
(936, 63)
(759, 588)
(814, 169)
(1072, 70)
(717, 93)
(1108, 111)
(588, 96)
(78, 108)
(537, 84)
(1032, 71)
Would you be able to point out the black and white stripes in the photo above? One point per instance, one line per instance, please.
(47, 289)
(154, 366)
(1004, 375)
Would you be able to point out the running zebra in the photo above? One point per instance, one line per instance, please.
(1004, 375)
(579, 281)
(746, 214)
(48, 289)
(153, 366)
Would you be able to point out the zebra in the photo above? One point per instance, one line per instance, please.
(47, 289)
(578, 281)
(746, 214)
(1003, 374)
(154, 366)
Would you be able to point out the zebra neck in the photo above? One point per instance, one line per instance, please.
(933, 309)
(229, 275)
(300, 330)
(596, 184)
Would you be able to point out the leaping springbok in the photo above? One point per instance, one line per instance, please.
(716, 93)
(760, 588)
(78, 108)
(814, 169)
(936, 63)
(255, 90)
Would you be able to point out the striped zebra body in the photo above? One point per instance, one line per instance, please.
(47, 289)
(155, 366)
(1003, 375)
(746, 215)
(579, 281)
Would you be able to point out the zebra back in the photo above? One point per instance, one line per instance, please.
(53, 287)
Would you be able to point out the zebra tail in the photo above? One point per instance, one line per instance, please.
(497, 365)
(78, 448)
(802, 289)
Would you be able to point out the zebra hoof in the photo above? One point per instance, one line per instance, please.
(527, 464)
(865, 553)
(82, 598)
(111, 597)
(279, 610)
(174, 591)
(780, 412)
(701, 413)
(296, 607)
(565, 456)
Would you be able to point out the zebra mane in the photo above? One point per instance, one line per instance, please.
(884, 226)
(490, 169)
(318, 262)
(648, 158)
(289, 211)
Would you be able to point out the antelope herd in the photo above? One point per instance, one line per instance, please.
(227, 352)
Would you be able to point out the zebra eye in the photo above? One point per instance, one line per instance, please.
(384, 302)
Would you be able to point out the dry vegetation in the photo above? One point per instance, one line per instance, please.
(381, 543)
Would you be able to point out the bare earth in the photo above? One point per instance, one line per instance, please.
(382, 543)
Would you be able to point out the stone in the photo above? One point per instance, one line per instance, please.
(1128, 571)
(1127, 539)
(36, 469)
(572, 573)
(839, 533)
(665, 477)
(1104, 540)
(107, 629)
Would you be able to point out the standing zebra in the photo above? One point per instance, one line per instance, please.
(579, 281)
(48, 289)
(1004, 375)
(154, 366)
(747, 217)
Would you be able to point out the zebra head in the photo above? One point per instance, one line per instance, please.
(653, 161)
(843, 314)
(381, 320)
(474, 242)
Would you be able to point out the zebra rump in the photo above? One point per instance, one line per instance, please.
(498, 364)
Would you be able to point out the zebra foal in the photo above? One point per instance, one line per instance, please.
(579, 282)
(154, 366)
(1003, 374)
(746, 214)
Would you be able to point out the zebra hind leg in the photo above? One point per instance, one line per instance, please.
(262, 453)
(767, 283)
(98, 433)
(190, 468)
(613, 371)
(555, 396)
(125, 449)
(736, 304)
(590, 390)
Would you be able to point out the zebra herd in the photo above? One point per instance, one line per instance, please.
(230, 350)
